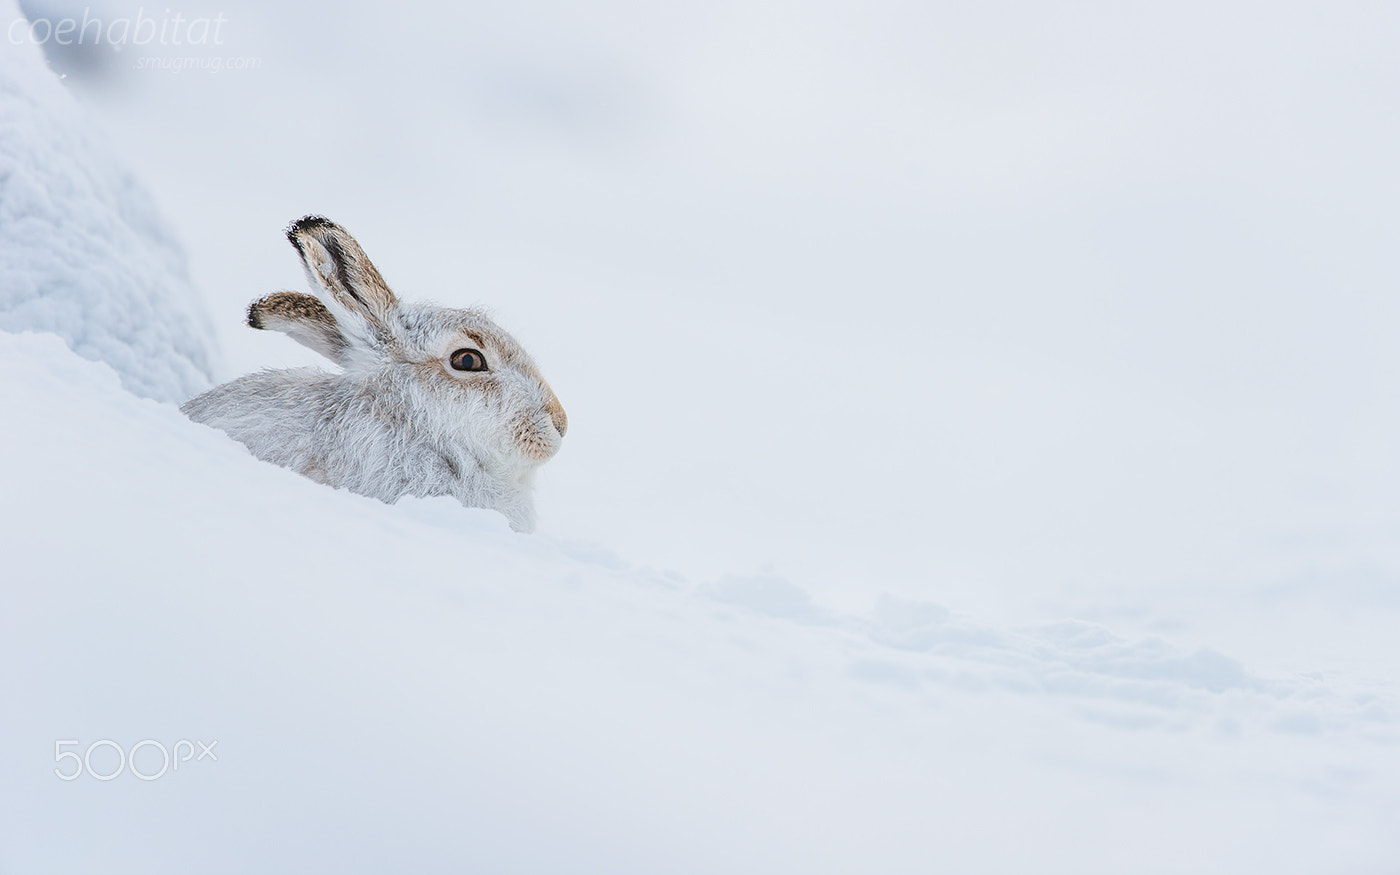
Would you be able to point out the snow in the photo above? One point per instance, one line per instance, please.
(83, 252)
(981, 451)
(414, 687)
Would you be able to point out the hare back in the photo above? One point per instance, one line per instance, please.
(338, 431)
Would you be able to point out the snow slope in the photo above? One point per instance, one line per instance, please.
(416, 688)
(83, 252)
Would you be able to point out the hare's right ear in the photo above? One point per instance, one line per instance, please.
(304, 319)
(359, 298)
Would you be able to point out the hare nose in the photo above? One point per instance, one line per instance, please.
(556, 411)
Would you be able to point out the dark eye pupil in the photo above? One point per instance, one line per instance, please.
(468, 360)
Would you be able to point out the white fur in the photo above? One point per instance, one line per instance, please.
(399, 420)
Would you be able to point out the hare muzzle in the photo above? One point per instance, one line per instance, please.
(539, 435)
(556, 411)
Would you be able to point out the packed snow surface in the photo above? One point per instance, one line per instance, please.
(415, 688)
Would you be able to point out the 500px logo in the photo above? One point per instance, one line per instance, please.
(149, 749)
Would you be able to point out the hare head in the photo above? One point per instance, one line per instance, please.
(432, 400)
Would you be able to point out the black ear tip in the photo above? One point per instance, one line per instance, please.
(307, 223)
(254, 317)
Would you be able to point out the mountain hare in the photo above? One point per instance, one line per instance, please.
(431, 401)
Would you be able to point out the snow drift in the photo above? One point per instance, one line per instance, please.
(83, 252)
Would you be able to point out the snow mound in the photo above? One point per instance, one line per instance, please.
(83, 253)
(417, 688)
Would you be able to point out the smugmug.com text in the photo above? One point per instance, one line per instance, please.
(190, 62)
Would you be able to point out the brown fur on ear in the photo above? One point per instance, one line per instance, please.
(302, 318)
(337, 264)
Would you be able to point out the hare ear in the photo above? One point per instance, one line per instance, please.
(336, 264)
(304, 319)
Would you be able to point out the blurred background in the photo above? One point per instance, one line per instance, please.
(1029, 309)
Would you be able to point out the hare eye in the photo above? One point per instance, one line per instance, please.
(468, 360)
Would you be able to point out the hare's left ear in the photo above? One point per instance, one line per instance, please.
(304, 319)
(336, 264)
